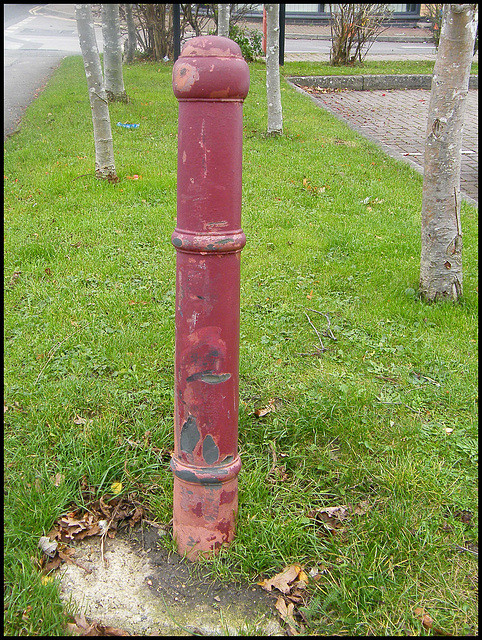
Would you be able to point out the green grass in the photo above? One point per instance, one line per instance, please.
(372, 67)
(89, 331)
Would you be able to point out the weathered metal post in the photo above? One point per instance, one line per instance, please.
(210, 80)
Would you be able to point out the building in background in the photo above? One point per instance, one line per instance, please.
(403, 14)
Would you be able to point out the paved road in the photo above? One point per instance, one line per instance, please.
(300, 49)
(34, 45)
(396, 121)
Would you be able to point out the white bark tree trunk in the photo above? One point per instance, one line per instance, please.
(273, 88)
(441, 258)
(223, 20)
(104, 148)
(113, 78)
(131, 34)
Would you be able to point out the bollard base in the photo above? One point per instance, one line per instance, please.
(205, 507)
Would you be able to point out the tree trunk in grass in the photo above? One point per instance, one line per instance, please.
(113, 78)
(441, 259)
(223, 20)
(273, 89)
(104, 148)
(131, 34)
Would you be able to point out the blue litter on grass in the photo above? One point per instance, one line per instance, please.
(127, 125)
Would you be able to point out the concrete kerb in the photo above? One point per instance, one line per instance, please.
(372, 82)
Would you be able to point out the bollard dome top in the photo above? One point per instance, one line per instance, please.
(211, 47)
(210, 68)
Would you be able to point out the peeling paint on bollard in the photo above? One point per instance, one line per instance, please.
(210, 81)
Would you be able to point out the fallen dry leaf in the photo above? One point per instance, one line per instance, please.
(464, 516)
(49, 547)
(52, 565)
(302, 577)
(58, 479)
(331, 517)
(286, 612)
(362, 508)
(426, 619)
(83, 628)
(298, 595)
(136, 516)
(427, 622)
(116, 487)
(282, 581)
(267, 409)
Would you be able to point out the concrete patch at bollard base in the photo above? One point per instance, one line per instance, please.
(145, 590)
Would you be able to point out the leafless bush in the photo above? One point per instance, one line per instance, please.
(154, 24)
(201, 17)
(154, 30)
(354, 28)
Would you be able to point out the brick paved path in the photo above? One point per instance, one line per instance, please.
(396, 121)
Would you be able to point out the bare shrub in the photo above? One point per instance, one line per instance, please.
(354, 28)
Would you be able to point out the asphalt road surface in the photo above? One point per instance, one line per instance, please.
(408, 49)
(34, 46)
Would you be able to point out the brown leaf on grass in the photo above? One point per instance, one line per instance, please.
(271, 406)
(361, 508)
(331, 517)
(334, 518)
(427, 621)
(104, 515)
(58, 479)
(283, 580)
(70, 528)
(298, 594)
(93, 530)
(286, 611)
(105, 508)
(464, 516)
(136, 516)
(52, 564)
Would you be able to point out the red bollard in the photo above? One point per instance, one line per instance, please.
(210, 80)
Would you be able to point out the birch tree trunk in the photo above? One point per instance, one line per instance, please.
(113, 78)
(104, 148)
(441, 258)
(273, 89)
(223, 20)
(131, 34)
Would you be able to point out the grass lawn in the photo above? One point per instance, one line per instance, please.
(369, 67)
(384, 420)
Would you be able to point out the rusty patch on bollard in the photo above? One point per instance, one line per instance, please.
(186, 75)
